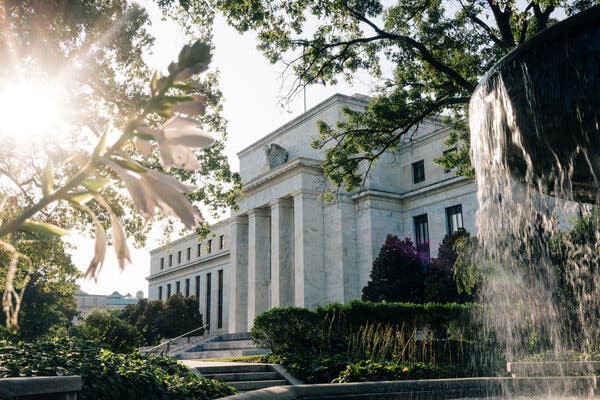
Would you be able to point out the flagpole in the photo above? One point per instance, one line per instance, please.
(304, 98)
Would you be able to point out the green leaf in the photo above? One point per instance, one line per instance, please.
(48, 182)
(101, 146)
(153, 82)
(132, 166)
(95, 184)
(43, 228)
(80, 197)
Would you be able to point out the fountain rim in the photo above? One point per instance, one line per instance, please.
(575, 22)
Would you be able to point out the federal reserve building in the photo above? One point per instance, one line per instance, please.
(285, 246)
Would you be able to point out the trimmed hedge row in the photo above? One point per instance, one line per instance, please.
(317, 345)
(281, 329)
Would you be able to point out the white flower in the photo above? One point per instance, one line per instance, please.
(119, 242)
(152, 190)
(177, 140)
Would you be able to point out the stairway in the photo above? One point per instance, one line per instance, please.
(244, 377)
(223, 346)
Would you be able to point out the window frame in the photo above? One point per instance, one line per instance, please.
(450, 212)
(418, 171)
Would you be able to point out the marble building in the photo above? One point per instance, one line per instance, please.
(284, 246)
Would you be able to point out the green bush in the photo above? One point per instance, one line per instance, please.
(316, 345)
(369, 370)
(107, 375)
(109, 331)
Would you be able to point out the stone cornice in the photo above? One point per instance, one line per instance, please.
(360, 101)
(370, 194)
(308, 164)
(191, 236)
(196, 263)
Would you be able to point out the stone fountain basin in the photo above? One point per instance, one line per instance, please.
(432, 389)
(553, 87)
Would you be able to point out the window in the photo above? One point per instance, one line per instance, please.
(168, 290)
(221, 242)
(454, 219)
(179, 257)
(160, 293)
(162, 263)
(422, 237)
(208, 295)
(220, 300)
(177, 287)
(170, 260)
(418, 171)
(189, 253)
(187, 287)
(445, 153)
(209, 246)
(198, 287)
(199, 250)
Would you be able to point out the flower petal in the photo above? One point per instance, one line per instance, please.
(119, 242)
(99, 253)
(196, 106)
(179, 156)
(143, 146)
(185, 132)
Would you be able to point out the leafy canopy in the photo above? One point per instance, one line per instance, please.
(427, 54)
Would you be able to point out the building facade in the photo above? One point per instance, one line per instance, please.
(284, 246)
(86, 303)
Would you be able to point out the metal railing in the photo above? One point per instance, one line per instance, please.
(168, 342)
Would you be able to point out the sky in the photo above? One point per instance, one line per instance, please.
(251, 87)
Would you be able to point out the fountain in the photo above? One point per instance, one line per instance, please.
(535, 137)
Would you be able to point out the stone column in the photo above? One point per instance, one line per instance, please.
(282, 253)
(309, 269)
(238, 281)
(259, 262)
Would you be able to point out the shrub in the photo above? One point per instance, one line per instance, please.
(107, 375)
(109, 331)
(317, 344)
(397, 273)
(369, 370)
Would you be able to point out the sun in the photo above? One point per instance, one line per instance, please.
(32, 111)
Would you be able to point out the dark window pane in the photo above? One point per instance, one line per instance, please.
(418, 171)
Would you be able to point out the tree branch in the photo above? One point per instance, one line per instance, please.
(419, 48)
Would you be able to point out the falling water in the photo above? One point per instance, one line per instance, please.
(535, 138)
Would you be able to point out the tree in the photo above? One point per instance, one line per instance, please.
(440, 285)
(437, 52)
(107, 330)
(48, 303)
(397, 273)
(156, 319)
(124, 153)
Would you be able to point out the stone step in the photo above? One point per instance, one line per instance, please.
(243, 376)
(255, 385)
(234, 368)
(236, 336)
(226, 353)
(225, 345)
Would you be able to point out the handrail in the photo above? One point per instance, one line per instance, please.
(205, 327)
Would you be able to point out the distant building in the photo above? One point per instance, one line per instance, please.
(283, 246)
(86, 303)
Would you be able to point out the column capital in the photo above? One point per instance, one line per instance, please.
(259, 212)
(288, 203)
(304, 194)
